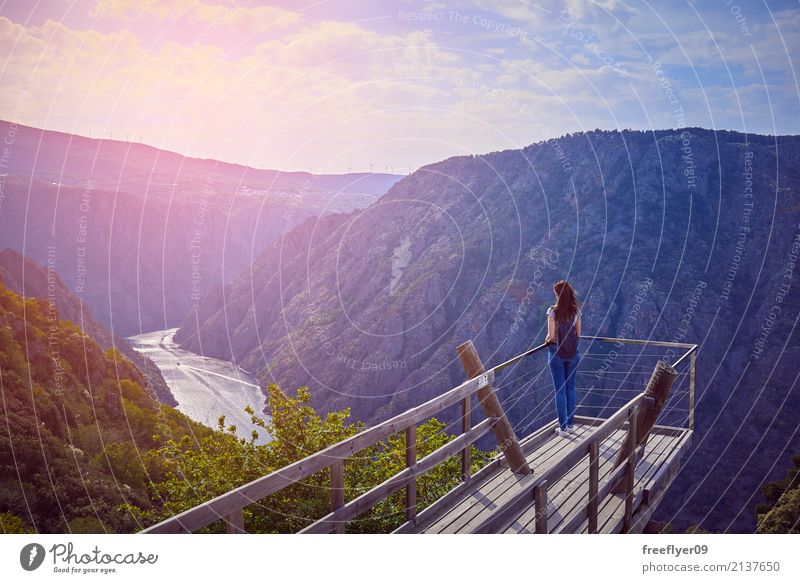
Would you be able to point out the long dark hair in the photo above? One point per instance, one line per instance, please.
(566, 306)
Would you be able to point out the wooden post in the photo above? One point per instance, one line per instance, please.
(692, 372)
(656, 395)
(337, 492)
(411, 461)
(503, 431)
(236, 522)
(466, 423)
(594, 475)
(630, 474)
(540, 497)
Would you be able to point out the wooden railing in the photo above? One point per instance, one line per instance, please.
(536, 491)
(229, 506)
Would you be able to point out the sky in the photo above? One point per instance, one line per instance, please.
(355, 85)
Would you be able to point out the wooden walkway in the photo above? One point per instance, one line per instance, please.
(609, 477)
(474, 508)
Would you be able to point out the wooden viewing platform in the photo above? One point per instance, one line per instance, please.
(608, 478)
(500, 501)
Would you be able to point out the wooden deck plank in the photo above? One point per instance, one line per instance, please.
(567, 501)
(446, 503)
(490, 493)
(481, 513)
(525, 521)
(579, 497)
(489, 490)
(468, 510)
(660, 482)
(648, 464)
(565, 496)
(613, 508)
(518, 503)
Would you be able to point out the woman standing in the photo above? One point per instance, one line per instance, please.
(563, 336)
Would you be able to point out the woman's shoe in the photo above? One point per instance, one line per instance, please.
(571, 429)
(561, 432)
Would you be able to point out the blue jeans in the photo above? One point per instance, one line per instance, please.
(564, 372)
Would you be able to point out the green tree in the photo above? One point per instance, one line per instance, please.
(88, 525)
(96, 442)
(781, 513)
(13, 524)
(197, 472)
(64, 399)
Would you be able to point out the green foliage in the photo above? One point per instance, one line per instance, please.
(697, 529)
(88, 525)
(13, 524)
(113, 354)
(91, 450)
(781, 513)
(122, 460)
(197, 472)
(64, 400)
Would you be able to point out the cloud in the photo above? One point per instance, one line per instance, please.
(228, 15)
(275, 105)
(394, 92)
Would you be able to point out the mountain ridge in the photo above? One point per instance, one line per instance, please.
(82, 140)
(488, 234)
(142, 233)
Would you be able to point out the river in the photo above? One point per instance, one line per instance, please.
(204, 387)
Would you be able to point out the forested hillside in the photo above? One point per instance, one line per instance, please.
(86, 448)
(76, 420)
(29, 279)
(781, 512)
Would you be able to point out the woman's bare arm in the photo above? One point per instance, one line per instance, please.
(578, 326)
(551, 330)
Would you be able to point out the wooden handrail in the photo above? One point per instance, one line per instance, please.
(229, 502)
(371, 497)
(519, 357)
